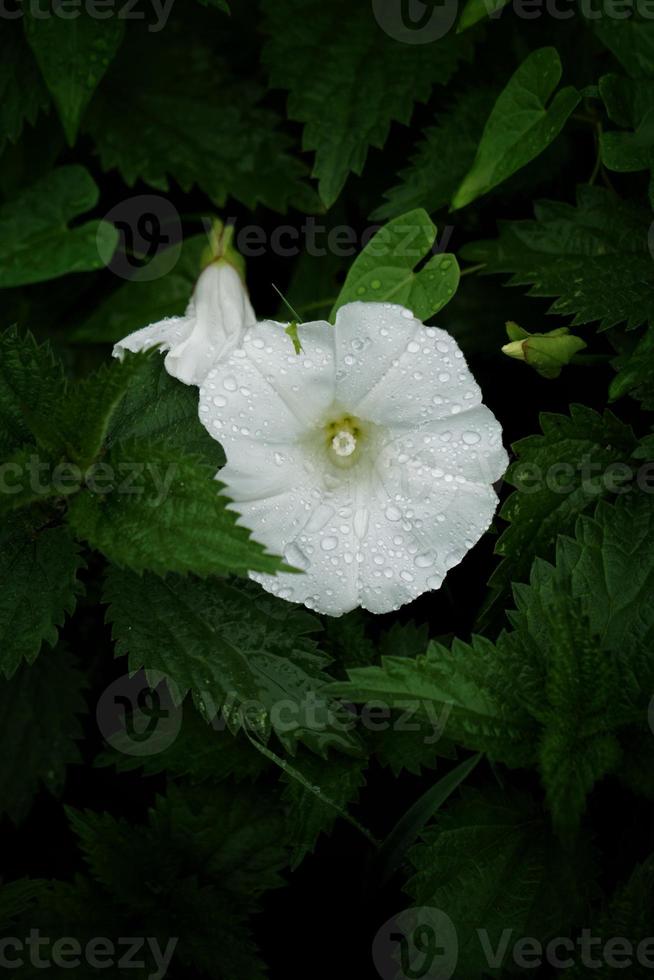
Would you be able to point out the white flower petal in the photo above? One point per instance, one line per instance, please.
(468, 444)
(214, 323)
(393, 370)
(265, 391)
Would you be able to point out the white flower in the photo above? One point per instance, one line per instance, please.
(214, 323)
(366, 460)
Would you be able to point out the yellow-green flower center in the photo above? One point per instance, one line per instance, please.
(343, 437)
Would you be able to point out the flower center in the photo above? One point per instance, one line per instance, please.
(344, 436)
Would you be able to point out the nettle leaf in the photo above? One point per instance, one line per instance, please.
(32, 383)
(521, 124)
(86, 412)
(200, 751)
(161, 410)
(573, 675)
(198, 124)
(38, 586)
(39, 706)
(558, 475)
(593, 257)
(238, 651)
(35, 240)
(196, 870)
(385, 270)
(613, 570)
(22, 92)
(491, 865)
(17, 897)
(635, 375)
(338, 779)
(478, 684)
(348, 79)
(147, 298)
(154, 507)
(73, 55)
(442, 158)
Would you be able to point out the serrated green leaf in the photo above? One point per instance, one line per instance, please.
(200, 751)
(38, 586)
(73, 55)
(338, 779)
(443, 157)
(39, 706)
(36, 242)
(476, 684)
(348, 79)
(32, 383)
(490, 864)
(22, 92)
(198, 123)
(521, 124)
(384, 271)
(161, 410)
(593, 257)
(635, 375)
(238, 651)
(156, 508)
(86, 413)
(558, 475)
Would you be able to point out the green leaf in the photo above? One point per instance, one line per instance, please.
(234, 648)
(403, 835)
(38, 586)
(442, 158)
(88, 409)
(558, 475)
(32, 384)
(152, 507)
(593, 257)
(348, 79)
(574, 674)
(339, 779)
(200, 751)
(476, 10)
(40, 728)
(73, 55)
(630, 39)
(385, 269)
(161, 410)
(521, 124)
(22, 92)
(198, 123)
(36, 242)
(636, 372)
(147, 298)
(490, 864)
(196, 870)
(475, 683)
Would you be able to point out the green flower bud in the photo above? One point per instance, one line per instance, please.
(547, 353)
